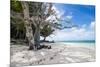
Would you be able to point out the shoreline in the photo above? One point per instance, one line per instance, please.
(77, 44)
(58, 54)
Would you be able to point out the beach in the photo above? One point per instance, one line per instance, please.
(59, 53)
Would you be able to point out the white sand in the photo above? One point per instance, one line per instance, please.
(60, 53)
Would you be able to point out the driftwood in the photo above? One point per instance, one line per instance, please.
(42, 47)
(45, 46)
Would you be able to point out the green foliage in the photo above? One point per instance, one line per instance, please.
(17, 25)
(46, 31)
(35, 8)
(17, 28)
(16, 6)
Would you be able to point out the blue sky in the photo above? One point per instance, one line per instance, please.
(81, 15)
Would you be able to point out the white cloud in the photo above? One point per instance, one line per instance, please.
(69, 17)
(92, 25)
(83, 33)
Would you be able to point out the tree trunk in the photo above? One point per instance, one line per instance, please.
(29, 31)
(44, 39)
(37, 37)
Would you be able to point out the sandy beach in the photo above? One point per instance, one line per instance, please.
(59, 54)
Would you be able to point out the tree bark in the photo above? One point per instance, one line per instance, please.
(29, 31)
(37, 37)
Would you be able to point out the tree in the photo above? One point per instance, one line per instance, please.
(38, 17)
(35, 14)
(17, 23)
(29, 31)
(40, 13)
(46, 31)
(17, 29)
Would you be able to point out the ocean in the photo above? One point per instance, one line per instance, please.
(79, 43)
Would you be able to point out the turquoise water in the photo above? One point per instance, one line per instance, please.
(79, 43)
